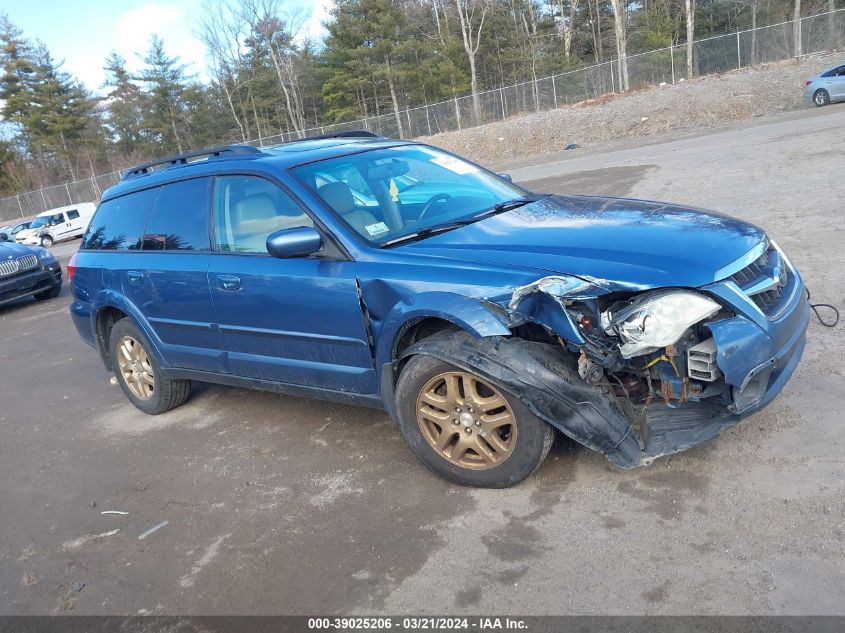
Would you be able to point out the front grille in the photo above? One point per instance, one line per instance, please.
(27, 262)
(765, 281)
(752, 272)
(21, 264)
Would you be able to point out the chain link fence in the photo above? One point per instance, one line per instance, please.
(718, 54)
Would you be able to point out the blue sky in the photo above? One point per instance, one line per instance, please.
(84, 32)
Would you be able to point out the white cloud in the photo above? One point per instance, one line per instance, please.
(172, 23)
(314, 29)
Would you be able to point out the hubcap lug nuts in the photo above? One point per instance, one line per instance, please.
(469, 430)
(478, 423)
(455, 421)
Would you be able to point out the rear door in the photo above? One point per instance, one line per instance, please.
(296, 321)
(167, 279)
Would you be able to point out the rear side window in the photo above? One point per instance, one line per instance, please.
(179, 219)
(72, 215)
(118, 224)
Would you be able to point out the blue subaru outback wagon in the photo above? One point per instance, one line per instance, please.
(480, 316)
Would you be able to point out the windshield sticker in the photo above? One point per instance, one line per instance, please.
(394, 191)
(377, 229)
(455, 165)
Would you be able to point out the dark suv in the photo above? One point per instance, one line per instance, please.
(481, 316)
(28, 271)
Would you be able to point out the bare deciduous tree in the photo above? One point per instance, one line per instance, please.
(621, 32)
(567, 25)
(222, 36)
(796, 29)
(265, 18)
(689, 7)
(470, 12)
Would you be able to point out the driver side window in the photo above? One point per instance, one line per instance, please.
(247, 209)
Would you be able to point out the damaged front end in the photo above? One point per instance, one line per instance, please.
(654, 372)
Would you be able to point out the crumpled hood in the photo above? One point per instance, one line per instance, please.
(14, 250)
(632, 243)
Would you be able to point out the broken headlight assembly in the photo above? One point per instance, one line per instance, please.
(653, 321)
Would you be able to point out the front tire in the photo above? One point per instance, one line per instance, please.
(139, 373)
(46, 241)
(50, 293)
(466, 429)
(821, 98)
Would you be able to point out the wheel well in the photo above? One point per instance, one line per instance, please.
(431, 325)
(420, 330)
(106, 319)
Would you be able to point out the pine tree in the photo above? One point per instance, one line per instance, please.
(164, 120)
(124, 106)
(18, 76)
(61, 112)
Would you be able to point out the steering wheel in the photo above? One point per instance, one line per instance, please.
(440, 197)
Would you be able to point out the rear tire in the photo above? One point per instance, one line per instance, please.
(139, 373)
(46, 241)
(821, 98)
(500, 461)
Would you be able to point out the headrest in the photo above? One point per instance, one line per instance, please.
(258, 206)
(338, 196)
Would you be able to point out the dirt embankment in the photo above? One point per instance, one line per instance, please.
(699, 103)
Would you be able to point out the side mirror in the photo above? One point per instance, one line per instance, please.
(507, 177)
(295, 242)
(4, 237)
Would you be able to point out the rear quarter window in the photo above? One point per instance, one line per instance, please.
(179, 220)
(118, 224)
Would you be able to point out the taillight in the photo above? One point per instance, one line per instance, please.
(71, 267)
(808, 82)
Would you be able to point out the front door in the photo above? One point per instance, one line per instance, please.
(837, 83)
(296, 321)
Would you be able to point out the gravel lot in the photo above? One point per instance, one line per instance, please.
(701, 103)
(283, 505)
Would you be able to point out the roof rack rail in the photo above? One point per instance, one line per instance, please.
(184, 159)
(343, 134)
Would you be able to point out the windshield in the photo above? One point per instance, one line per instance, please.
(37, 223)
(389, 193)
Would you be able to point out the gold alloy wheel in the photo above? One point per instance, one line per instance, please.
(466, 420)
(134, 365)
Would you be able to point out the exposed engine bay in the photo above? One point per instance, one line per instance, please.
(665, 358)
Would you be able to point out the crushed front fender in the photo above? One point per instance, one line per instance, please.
(547, 382)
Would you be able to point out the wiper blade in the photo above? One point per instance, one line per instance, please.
(499, 207)
(422, 233)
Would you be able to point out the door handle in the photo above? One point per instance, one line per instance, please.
(229, 282)
(135, 277)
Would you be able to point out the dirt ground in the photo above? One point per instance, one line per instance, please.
(279, 505)
(687, 106)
